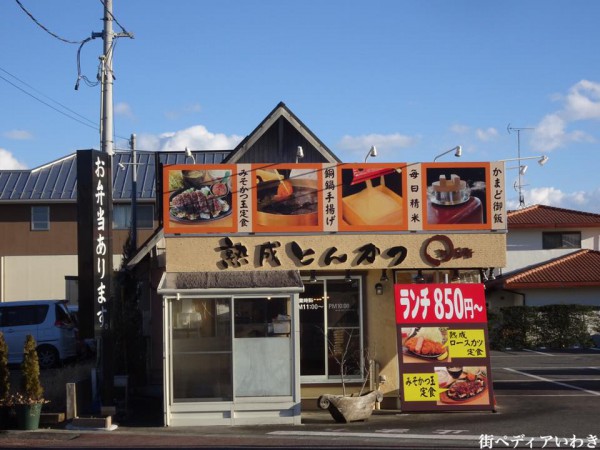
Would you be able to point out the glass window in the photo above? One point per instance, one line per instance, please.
(24, 315)
(330, 329)
(201, 348)
(122, 216)
(261, 317)
(40, 218)
(438, 276)
(561, 239)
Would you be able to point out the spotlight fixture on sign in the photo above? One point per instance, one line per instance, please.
(522, 168)
(189, 154)
(299, 153)
(379, 289)
(541, 159)
(313, 276)
(372, 153)
(457, 152)
(518, 185)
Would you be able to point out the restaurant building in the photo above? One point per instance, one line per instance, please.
(280, 266)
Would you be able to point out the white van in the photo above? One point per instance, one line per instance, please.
(48, 321)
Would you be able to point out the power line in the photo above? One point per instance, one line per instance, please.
(44, 28)
(115, 19)
(49, 105)
(85, 121)
(49, 98)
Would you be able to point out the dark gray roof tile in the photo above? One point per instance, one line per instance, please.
(57, 180)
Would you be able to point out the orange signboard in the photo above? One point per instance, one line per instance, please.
(317, 198)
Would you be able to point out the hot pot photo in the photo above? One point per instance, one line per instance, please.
(287, 198)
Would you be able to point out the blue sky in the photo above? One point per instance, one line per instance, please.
(414, 78)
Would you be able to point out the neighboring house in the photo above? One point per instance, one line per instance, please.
(553, 257)
(38, 221)
(38, 217)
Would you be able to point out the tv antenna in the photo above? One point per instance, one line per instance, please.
(519, 185)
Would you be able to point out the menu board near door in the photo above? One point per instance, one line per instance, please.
(443, 346)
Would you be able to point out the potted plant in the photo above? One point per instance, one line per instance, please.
(5, 404)
(349, 407)
(29, 399)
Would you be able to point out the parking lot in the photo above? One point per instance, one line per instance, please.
(544, 399)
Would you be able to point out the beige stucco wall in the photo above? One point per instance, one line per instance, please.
(195, 253)
(381, 332)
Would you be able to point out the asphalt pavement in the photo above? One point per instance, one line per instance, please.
(544, 399)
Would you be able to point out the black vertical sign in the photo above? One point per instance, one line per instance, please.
(94, 241)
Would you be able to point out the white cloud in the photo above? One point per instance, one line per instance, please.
(123, 109)
(9, 162)
(19, 135)
(196, 137)
(188, 109)
(581, 103)
(487, 134)
(550, 196)
(459, 128)
(551, 133)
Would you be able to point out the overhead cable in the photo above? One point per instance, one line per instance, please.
(116, 21)
(79, 75)
(73, 114)
(48, 105)
(44, 28)
(49, 98)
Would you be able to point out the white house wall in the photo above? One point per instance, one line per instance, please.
(582, 296)
(37, 277)
(524, 247)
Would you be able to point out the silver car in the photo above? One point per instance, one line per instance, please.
(48, 321)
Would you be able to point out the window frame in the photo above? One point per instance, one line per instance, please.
(40, 224)
(327, 378)
(139, 206)
(562, 234)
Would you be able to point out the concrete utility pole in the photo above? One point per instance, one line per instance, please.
(134, 165)
(107, 143)
(105, 361)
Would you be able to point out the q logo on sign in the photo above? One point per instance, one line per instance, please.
(446, 254)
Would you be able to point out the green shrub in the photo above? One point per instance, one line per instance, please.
(31, 388)
(554, 326)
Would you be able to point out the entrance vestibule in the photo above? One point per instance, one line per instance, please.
(231, 359)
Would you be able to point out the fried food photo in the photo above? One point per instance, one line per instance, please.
(423, 346)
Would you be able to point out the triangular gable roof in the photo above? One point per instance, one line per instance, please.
(577, 269)
(542, 216)
(314, 149)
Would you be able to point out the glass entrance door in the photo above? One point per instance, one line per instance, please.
(262, 356)
(201, 350)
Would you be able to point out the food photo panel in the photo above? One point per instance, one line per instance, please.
(372, 197)
(287, 197)
(199, 198)
(463, 385)
(424, 345)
